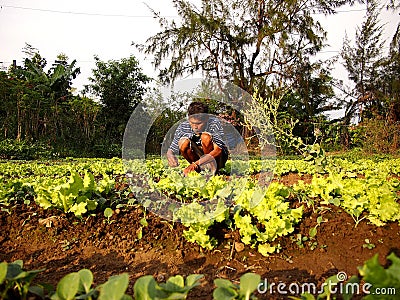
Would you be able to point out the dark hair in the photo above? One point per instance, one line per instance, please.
(197, 108)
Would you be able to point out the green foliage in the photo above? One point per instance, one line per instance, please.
(316, 155)
(373, 197)
(12, 149)
(384, 283)
(106, 149)
(77, 195)
(376, 281)
(252, 207)
(41, 118)
(167, 112)
(72, 186)
(114, 288)
(14, 281)
(120, 86)
(379, 282)
(365, 188)
(78, 285)
(176, 287)
(380, 136)
(263, 215)
(368, 244)
(236, 41)
(108, 212)
(198, 219)
(309, 98)
(226, 290)
(375, 76)
(262, 115)
(37, 97)
(192, 186)
(67, 287)
(304, 240)
(16, 191)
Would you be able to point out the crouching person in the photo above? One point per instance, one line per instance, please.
(199, 140)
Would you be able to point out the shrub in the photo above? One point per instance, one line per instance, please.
(13, 149)
(381, 136)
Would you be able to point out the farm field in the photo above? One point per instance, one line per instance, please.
(307, 224)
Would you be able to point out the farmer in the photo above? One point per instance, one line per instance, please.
(199, 141)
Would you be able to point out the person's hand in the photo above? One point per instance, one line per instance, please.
(191, 168)
(172, 160)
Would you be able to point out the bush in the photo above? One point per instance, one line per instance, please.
(381, 136)
(107, 150)
(13, 149)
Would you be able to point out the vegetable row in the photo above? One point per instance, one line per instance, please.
(260, 210)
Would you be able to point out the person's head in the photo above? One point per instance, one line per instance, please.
(198, 116)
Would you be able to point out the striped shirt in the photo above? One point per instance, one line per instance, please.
(213, 127)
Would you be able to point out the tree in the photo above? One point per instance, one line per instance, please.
(251, 43)
(377, 83)
(311, 93)
(61, 75)
(119, 86)
(38, 106)
(8, 110)
(308, 99)
(363, 62)
(390, 77)
(393, 4)
(80, 123)
(38, 103)
(388, 83)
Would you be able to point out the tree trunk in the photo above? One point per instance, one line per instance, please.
(19, 117)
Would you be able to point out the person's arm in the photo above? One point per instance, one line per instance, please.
(191, 168)
(172, 159)
(195, 166)
(216, 152)
(174, 148)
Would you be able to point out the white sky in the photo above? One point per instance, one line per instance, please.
(82, 29)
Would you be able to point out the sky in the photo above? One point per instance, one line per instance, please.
(82, 29)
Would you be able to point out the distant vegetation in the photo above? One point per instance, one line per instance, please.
(263, 48)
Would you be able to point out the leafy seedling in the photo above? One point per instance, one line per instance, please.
(368, 244)
(108, 212)
(244, 291)
(175, 288)
(381, 279)
(114, 288)
(13, 277)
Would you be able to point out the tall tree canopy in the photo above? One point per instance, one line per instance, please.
(373, 74)
(39, 94)
(119, 85)
(56, 82)
(390, 73)
(248, 42)
(309, 96)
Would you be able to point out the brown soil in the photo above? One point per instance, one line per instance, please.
(62, 244)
